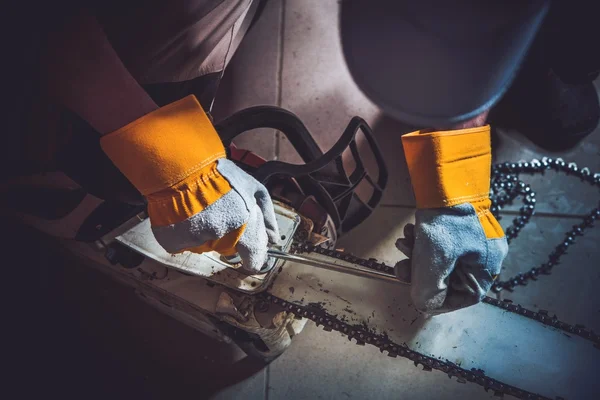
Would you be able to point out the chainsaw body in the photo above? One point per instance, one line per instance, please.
(314, 203)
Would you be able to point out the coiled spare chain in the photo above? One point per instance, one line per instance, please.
(506, 186)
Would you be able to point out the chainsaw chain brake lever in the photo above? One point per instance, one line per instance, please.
(337, 265)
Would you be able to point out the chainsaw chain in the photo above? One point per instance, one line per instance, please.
(506, 186)
(362, 336)
(371, 263)
(540, 316)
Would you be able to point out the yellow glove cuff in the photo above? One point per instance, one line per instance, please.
(164, 147)
(450, 167)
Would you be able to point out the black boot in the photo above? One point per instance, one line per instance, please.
(554, 115)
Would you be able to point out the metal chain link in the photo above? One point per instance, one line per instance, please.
(362, 336)
(506, 186)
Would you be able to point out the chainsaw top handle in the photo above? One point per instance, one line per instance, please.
(323, 175)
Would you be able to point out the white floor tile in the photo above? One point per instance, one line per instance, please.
(571, 290)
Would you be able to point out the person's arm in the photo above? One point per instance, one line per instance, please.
(478, 120)
(85, 74)
(197, 200)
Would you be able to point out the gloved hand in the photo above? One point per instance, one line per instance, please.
(456, 247)
(198, 200)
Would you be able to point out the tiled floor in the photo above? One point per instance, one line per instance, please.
(314, 83)
(292, 58)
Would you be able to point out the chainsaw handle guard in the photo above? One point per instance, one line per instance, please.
(271, 117)
(323, 176)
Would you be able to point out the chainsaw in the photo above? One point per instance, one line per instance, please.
(496, 344)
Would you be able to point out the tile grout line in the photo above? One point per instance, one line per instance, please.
(503, 212)
(279, 78)
(267, 374)
(545, 214)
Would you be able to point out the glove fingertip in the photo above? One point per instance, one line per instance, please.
(400, 243)
(271, 225)
(253, 244)
(273, 235)
(403, 270)
(258, 263)
(253, 259)
(409, 230)
(405, 246)
(265, 204)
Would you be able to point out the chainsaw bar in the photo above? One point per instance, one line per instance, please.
(363, 334)
(540, 316)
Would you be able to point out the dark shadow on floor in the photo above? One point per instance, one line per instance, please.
(71, 332)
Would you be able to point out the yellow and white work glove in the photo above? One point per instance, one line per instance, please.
(456, 247)
(198, 200)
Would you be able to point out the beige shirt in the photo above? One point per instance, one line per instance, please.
(175, 40)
